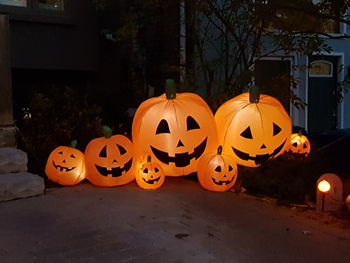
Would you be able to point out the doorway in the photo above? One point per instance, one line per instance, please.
(273, 78)
(322, 106)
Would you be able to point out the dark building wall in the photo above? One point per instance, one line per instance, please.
(43, 39)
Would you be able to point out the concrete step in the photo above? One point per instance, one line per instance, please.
(20, 185)
(12, 160)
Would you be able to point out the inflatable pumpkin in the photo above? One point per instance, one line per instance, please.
(66, 165)
(150, 175)
(299, 144)
(253, 128)
(109, 160)
(217, 172)
(175, 129)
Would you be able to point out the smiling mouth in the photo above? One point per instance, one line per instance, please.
(114, 172)
(151, 181)
(62, 168)
(180, 159)
(259, 158)
(217, 182)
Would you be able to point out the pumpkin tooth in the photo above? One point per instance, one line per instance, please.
(180, 159)
(151, 181)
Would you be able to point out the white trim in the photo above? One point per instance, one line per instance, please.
(306, 111)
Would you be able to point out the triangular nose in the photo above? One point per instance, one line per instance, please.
(64, 161)
(180, 144)
(263, 146)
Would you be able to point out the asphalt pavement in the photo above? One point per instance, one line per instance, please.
(179, 222)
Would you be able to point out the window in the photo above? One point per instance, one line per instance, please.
(321, 68)
(14, 2)
(41, 4)
(51, 4)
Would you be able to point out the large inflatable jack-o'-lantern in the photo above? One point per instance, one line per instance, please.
(253, 128)
(175, 129)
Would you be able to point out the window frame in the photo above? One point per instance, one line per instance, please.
(32, 13)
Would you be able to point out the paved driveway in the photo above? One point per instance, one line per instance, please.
(178, 223)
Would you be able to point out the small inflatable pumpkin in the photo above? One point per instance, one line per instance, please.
(217, 172)
(299, 144)
(66, 165)
(150, 175)
(109, 160)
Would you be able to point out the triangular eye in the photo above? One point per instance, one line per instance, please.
(230, 168)
(72, 156)
(218, 169)
(60, 152)
(295, 144)
(103, 152)
(276, 129)
(191, 123)
(163, 127)
(145, 171)
(247, 133)
(304, 146)
(156, 170)
(121, 149)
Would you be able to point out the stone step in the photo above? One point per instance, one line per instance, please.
(20, 185)
(12, 160)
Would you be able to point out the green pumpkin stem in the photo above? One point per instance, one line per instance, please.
(74, 143)
(170, 89)
(219, 152)
(300, 132)
(254, 94)
(107, 132)
(149, 158)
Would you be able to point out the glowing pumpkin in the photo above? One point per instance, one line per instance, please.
(150, 175)
(299, 144)
(66, 165)
(109, 160)
(217, 172)
(175, 129)
(253, 128)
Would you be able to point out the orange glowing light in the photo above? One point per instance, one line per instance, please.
(324, 186)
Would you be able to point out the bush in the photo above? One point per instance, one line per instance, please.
(56, 118)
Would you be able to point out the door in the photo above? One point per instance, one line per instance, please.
(321, 104)
(273, 78)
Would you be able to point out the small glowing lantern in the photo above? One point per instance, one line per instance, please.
(217, 172)
(109, 160)
(347, 202)
(329, 193)
(324, 186)
(66, 165)
(299, 144)
(253, 128)
(175, 129)
(150, 175)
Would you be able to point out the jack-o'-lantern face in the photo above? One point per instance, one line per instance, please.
(109, 161)
(175, 132)
(150, 175)
(217, 172)
(65, 166)
(299, 144)
(253, 132)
